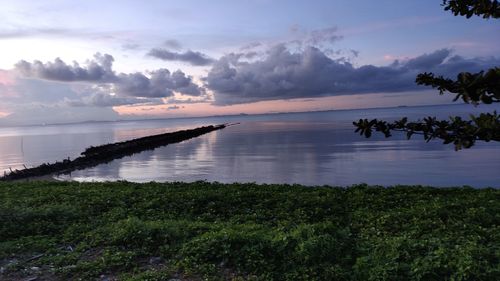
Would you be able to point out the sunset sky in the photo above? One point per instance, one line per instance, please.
(69, 61)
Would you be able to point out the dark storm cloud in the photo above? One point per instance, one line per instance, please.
(161, 83)
(158, 83)
(283, 74)
(139, 85)
(193, 58)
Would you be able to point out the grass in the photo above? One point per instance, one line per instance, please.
(212, 231)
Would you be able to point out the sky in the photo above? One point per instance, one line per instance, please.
(65, 61)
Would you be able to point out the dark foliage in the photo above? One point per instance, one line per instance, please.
(468, 8)
(472, 88)
(462, 133)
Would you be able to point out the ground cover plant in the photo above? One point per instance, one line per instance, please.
(212, 231)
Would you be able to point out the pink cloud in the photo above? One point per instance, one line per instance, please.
(7, 84)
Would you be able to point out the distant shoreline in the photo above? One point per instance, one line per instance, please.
(222, 116)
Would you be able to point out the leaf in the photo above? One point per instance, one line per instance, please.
(409, 134)
(368, 132)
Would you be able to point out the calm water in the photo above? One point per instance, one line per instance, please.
(307, 148)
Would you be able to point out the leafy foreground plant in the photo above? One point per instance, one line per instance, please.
(211, 231)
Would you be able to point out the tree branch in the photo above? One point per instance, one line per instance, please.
(462, 133)
(468, 8)
(472, 88)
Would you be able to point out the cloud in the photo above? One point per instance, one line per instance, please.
(98, 99)
(326, 35)
(193, 58)
(172, 44)
(97, 70)
(283, 74)
(250, 46)
(53, 32)
(139, 85)
(20, 33)
(131, 46)
(160, 83)
(37, 101)
(24, 91)
(203, 99)
(298, 40)
(427, 61)
(53, 90)
(154, 84)
(318, 37)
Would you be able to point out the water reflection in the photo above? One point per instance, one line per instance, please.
(301, 152)
(32, 146)
(306, 148)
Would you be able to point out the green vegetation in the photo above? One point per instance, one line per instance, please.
(198, 231)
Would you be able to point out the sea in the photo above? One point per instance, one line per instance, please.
(311, 148)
